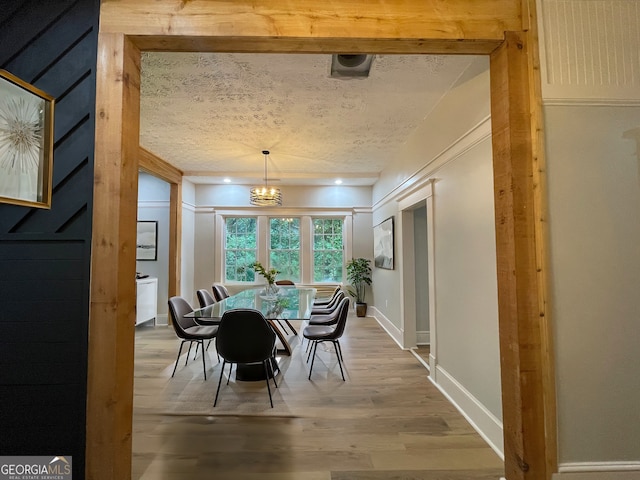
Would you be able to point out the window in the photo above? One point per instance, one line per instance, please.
(284, 247)
(305, 249)
(240, 248)
(327, 250)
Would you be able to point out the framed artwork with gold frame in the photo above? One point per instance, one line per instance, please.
(26, 143)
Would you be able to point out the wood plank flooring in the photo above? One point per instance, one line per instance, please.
(387, 421)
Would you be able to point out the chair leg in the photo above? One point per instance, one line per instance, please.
(272, 369)
(197, 346)
(339, 354)
(188, 352)
(178, 358)
(315, 347)
(275, 365)
(219, 382)
(266, 374)
(310, 349)
(204, 366)
(338, 349)
(230, 368)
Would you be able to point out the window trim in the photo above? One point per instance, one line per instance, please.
(306, 216)
(224, 245)
(313, 250)
(300, 241)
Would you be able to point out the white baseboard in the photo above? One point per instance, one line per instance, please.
(598, 471)
(484, 422)
(423, 338)
(420, 359)
(488, 426)
(394, 332)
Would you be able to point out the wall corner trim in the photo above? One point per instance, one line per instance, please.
(480, 132)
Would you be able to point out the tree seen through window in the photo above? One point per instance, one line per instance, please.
(240, 248)
(327, 250)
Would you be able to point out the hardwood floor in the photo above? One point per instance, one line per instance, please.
(387, 421)
(423, 351)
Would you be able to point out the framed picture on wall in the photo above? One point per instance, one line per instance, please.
(147, 240)
(26, 143)
(383, 244)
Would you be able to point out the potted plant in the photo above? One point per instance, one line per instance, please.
(359, 276)
(269, 276)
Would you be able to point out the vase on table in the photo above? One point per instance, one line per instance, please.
(271, 289)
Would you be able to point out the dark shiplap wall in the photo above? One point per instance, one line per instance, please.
(45, 254)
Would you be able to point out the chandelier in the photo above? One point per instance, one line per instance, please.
(266, 196)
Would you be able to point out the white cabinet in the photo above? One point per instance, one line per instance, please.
(146, 299)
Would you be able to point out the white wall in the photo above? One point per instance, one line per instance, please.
(467, 105)
(591, 92)
(297, 200)
(594, 220)
(219, 196)
(153, 204)
(453, 148)
(466, 278)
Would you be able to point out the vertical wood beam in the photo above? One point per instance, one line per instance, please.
(112, 304)
(547, 350)
(521, 309)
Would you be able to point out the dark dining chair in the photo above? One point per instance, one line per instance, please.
(246, 338)
(328, 333)
(188, 330)
(205, 298)
(327, 316)
(220, 292)
(321, 302)
(330, 307)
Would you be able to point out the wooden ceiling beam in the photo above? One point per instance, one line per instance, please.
(154, 165)
(399, 20)
(153, 43)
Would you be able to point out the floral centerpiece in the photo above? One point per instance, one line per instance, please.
(269, 275)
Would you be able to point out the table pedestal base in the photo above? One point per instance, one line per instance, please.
(253, 372)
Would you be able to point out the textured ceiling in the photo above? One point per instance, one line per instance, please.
(211, 114)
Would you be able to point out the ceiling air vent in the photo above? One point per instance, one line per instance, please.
(345, 65)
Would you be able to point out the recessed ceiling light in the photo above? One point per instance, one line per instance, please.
(227, 180)
(338, 182)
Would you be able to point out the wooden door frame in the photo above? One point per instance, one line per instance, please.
(153, 165)
(503, 29)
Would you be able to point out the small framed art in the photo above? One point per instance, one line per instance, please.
(26, 143)
(147, 240)
(383, 244)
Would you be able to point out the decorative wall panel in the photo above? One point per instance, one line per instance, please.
(45, 254)
(591, 49)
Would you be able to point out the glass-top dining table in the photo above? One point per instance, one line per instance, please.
(288, 303)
